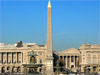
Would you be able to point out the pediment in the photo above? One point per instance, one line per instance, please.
(69, 51)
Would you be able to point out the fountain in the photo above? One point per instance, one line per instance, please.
(57, 67)
(32, 65)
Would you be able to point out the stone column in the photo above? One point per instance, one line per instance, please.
(74, 61)
(6, 57)
(66, 61)
(11, 57)
(0, 58)
(11, 69)
(15, 69)
(91, 58)
(63, 59)
(21, 69)
(77, 61)
(28, 58)
(16, 57)
(70, 62)
(37, 60)
(21, 57)
(97, 60)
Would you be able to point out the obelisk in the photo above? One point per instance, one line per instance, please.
(49, 53)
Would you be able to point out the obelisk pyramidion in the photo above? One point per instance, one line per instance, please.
(49, 54)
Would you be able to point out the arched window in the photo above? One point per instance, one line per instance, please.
(18, 69)
(3, 69)
(13, 69)
(8, 68)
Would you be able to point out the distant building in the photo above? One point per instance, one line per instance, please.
(70, 58)
(86, 58)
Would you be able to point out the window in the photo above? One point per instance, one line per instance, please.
(94, 61)
(89, 53)
(40, 60)
(83, 59)
(18, 69)
(89, 60)
(99, 60)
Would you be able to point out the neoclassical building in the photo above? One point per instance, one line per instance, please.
(12, 57)
(90, 57)
(86, 58)
(70, 58)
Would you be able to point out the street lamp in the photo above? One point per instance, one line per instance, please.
(85, 70)
(79, 69)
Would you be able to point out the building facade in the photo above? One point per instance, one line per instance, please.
(12, 58)
(70, 58)
(86, 58)
(90, 57)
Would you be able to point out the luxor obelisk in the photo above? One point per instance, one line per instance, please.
(49, 54)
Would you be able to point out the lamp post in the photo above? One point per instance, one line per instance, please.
(79, 69)
(85, 70)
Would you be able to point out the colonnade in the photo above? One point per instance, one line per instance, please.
(69, 61)
(11, 61)
(11, 57)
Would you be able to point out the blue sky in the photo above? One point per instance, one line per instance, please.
(73, 22)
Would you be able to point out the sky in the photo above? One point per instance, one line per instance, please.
(73, 22)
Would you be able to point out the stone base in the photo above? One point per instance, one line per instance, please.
(50, 73)
(49, 66)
